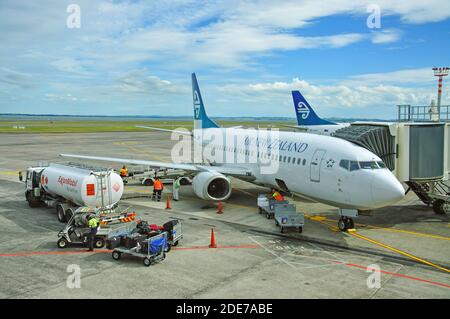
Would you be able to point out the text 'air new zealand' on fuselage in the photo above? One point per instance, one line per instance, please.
(309, 121)
(322, 168)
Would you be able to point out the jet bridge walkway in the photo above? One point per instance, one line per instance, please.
(415, 149)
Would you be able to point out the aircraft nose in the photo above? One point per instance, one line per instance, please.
(386, 189)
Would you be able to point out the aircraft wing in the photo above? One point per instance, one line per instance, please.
(192, 168)
(165, 130)
(296, 127)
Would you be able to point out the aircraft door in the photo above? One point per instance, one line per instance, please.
(315, 165)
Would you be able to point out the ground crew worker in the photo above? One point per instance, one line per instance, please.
(176, 189)
(124, 172)
(93, 224)
(276, 195)
(157, 189)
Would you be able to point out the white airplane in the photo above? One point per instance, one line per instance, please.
(321, 168)
(308, 121)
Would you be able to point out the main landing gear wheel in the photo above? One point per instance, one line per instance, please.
(439, 207)
(345, 223)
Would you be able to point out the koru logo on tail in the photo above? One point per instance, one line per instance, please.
(196, 105)
(303, 110)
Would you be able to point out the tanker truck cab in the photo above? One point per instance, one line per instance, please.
(33, 186)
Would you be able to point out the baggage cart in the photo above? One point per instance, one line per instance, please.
(267, 206)
(286, 216)
(152, 250)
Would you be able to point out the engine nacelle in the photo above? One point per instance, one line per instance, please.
(211, 186)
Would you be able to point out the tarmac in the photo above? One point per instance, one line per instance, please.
(407, 245)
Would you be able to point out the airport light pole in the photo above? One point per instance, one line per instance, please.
(440, 73)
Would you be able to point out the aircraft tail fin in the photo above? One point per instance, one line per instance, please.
(305, 113)
(201, 119)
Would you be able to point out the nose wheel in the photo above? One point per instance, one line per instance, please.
(345, 223)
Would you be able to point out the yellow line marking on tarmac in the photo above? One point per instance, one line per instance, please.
(354, 233)
(10, 173)
(409, 232)
(322, 218)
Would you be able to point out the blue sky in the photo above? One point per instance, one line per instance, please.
(135, 57)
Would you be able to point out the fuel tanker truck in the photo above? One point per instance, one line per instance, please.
(67, 188)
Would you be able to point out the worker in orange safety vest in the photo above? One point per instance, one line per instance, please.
(157, 189)
(276, 195)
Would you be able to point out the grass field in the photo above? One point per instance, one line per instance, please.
(23, 127)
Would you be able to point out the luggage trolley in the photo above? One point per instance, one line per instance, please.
(267, 206)
(151, 249)
(286, 216)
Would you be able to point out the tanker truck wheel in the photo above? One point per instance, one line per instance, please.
(31, 201)
(69, 214)
(60, 213)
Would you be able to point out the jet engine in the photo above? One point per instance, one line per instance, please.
(211, 186)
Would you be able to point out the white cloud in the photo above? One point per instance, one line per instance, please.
(386, 36)
(358, 92)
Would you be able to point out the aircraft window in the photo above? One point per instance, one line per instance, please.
(344, 164)
(289, 159)
(284, 159)
(281, 158)
(381, 164)
(304, 161)
(299, 160)
(368, 165)
(354, 165)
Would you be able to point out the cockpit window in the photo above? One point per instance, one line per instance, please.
(344, 164)
(354, 165)
(368, 165)
(381, 164)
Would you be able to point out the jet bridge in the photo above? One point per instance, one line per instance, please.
(416, 149)
(376, 138)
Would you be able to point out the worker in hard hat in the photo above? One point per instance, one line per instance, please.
(157, 189)
(93, 224)
(176, 189)
(276, 195)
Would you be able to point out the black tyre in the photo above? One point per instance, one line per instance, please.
(342, 225)
(99, 242)
(300, 229)
(175, 243)
(268, 216)
(282, 229)
(147, 262)
(69, 214)
(168, 248)
(260, 210)
(438, 207)
(276, 223)
(116, 255)
(62, 243)
(60, 213)
(350, 223)
(148, 182)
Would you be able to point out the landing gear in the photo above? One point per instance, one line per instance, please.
(345, 223)
(439, 207)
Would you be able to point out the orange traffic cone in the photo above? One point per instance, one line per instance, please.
(168, 202)
(219, 208)
(213, 240)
